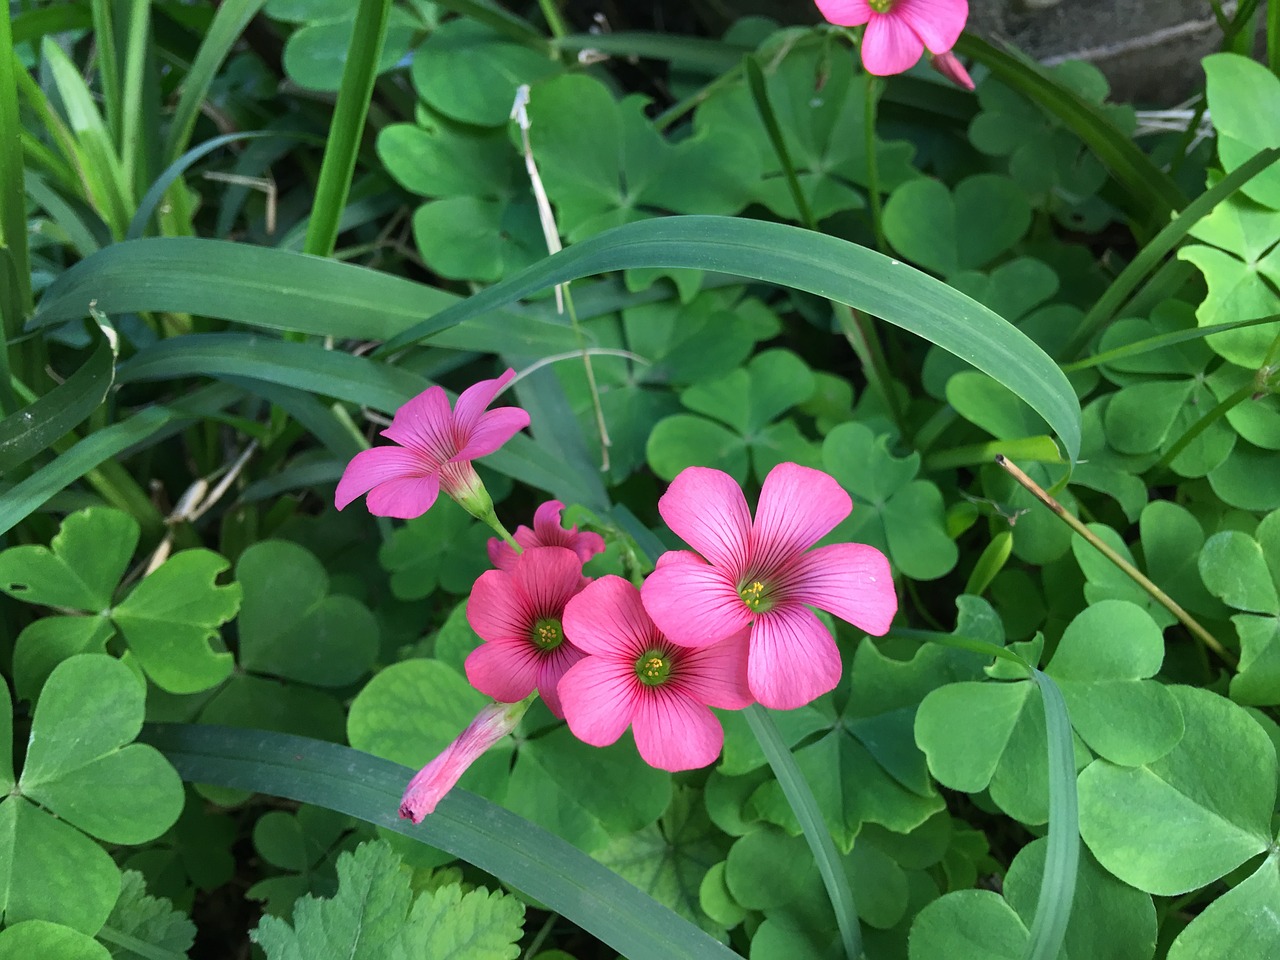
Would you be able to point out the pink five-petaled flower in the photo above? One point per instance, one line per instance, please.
(763, 574)
(635, 677)
(899, 30)
(435, 448)
(438, 777)
(546, 532)
(518, 614)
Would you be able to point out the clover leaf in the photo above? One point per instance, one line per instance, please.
(82, 773)
(1245, 100)
(443, 549)
(40, 938)
(1186, 819)
(1244, 572)
(168, 620)
(291, 627)
(746, 403)
(1247, 916)
(893, 509)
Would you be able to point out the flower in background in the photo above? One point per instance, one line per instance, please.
(546, 532)
(635, 677)
(435, 448)
(438, 777)
(763, 575)
(898, 31)
(518, 614)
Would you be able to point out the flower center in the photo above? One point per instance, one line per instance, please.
(548, 634)
(756, 596)
(653, 668)
(881, 6)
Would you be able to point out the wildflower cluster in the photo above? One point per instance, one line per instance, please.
(726, 624)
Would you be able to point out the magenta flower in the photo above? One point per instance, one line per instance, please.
(518, 614)
(438, 777)
(546, 532)
(635, 677)
(899, 30)
(435, 448)
(764, 575)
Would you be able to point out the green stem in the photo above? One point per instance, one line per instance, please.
(800, 796)
(873, 164)
(1138, 577)
(859, 330)
(1201, 425)
(131, 107)
(349, 114)
(555, 21)
(1273, 36)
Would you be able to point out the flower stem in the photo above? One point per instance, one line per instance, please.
(1205, 637)
(800, 796)
(873, 168)
(496, 526)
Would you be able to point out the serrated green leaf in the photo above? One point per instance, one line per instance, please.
(477, 925)
(140, 925)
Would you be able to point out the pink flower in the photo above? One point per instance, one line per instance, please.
(438, 777)
(518, 615)
(546, 532)
(951, 68)
(764, 575)
(899, 30)
(436, 447)
(635, 677)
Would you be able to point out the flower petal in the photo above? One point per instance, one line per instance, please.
(692, 603)
(793, 658)
(707, 509)
(404, 497)
(845, 13)
(938, 23)
(598, 696)
(674, 733)
(501, 554)
(493, 430)
(551, 671)
(890, 45)
(369, 468)
(498, 610)
(474, 400)
(715, 675)
(851, 580)
(506, 670)
(548, 577)
(798, 507)
(425, 424)
(608, 618)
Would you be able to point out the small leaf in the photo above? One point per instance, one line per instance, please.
(40, 938)
(1234, 568)
(968, 925)
(445, 548)
(81, 567)
(947, 231)
(150, 921)
(1247, 917)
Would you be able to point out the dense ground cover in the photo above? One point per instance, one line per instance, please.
(1005, 358)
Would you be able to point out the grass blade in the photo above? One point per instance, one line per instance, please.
(826, 266)
(800, 797)
(339, 163)
(512, 849)
(1062, 859)
(13, 204)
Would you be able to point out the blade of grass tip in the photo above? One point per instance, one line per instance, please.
(518, 852)
(133, 104)
(1160, 245)
(339, 163)
(1062, 859)
(104, 41)
(800, 797)
(224, 30)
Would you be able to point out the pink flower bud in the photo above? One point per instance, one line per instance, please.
(951, 68)
(439, 776)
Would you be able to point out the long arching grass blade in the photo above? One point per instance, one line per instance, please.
(804, 260)
(482, 833)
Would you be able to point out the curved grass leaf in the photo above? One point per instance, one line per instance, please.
(470, 827)
(1062, 859)
(278, 290)
(804, 260)
(1152, 192)
(26, 432)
